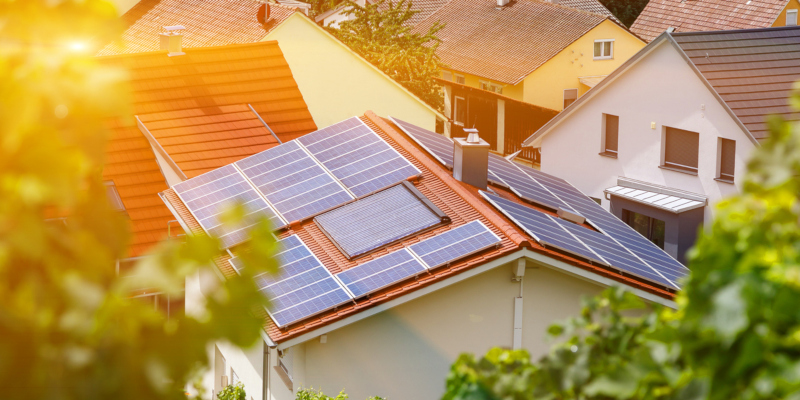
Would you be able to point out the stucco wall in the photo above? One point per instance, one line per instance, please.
(781, 20)
(406, 352)
(336, 84)
(661, 88)
(545, 86)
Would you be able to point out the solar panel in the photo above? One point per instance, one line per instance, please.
(380, 273)
(521, 184)
(454, 244)
(379, 219)
(237, 264)
(543, 228)
(616, 255)
(209, 195)
(293, 182)
(358, 157)
(439, 146)
(302, 288)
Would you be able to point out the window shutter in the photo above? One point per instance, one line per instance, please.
(727, 159)
(612, 133)
(791, 17)
(681, 149)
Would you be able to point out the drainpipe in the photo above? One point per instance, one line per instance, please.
(519, 273)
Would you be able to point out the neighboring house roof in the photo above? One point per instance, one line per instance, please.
(208, 23)
(461, 202)
(506, 45)
(196, 107)
(749, 71)
(752, 70)
(705, 15)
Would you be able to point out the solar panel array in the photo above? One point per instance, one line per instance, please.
(376, 220)
(209, 195)
(302, 288)
(381, 272)
(454, 244)
(439, 146)
(290, 182)
(552, 192)
(358, 157)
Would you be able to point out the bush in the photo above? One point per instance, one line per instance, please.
(311, 394)
(233, 392)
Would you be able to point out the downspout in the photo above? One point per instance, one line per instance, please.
(519, 273)
(265, 372)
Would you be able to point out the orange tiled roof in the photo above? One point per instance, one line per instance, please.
(208, 23)
(705, 15)
(196, 108)
(506, 45)
(459, 201)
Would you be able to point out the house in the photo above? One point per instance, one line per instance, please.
(391, 266)
(668, 134)
(534, 51)
(713, 15)
(322, 66)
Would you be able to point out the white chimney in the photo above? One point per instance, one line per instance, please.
(471, 159)
(171, 39)
(502, 3)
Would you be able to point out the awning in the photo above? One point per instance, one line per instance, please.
(591, 81)
(669, 199)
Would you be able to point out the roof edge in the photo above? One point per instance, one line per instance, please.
(191, 49)
(723, 32)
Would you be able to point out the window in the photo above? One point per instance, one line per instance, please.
(461, 80)
(727, 157)
(604, 49)
(610, 135)
(492, 87)
(459, 111)
(791, 17)
(447, 75)
(650, 228)
(234, 377)
(596, 200)
(681, 150)
(570, 95)
(113, 196)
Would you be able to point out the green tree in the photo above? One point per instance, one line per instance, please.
(233, 392)
(735, 334)
(379, 33)
(68, 326)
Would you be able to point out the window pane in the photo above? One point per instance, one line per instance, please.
(598, 49)
(791, 17)
(727, 158)
(651, 228)
(460, 80)
(612, 133)
(681, 149)
(607, 49)
(461, 110)
(447, 75)
(569, 96)
(657, 232)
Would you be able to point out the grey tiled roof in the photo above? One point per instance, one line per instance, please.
(752, 70)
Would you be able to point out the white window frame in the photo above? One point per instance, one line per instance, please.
(455, 110)
(456, 77)
(117, 198)
(792, 11)
(606, 42)
(492, 87)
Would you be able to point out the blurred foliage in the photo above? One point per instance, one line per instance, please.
(320, 6)
(379, 34)
(69, 328)
(734, 335)
(311, 394)
(625, 10)
(233, 392)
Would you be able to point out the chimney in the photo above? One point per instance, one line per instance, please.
(171, 39)
(471, 159)
(502, 3)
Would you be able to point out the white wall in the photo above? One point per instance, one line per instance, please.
(661, 88)
(406, 351)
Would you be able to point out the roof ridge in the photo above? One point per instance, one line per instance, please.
(191, 50)
(451, 182)
(571, 8)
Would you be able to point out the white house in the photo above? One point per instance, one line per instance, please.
(668, 134)
(402, 265)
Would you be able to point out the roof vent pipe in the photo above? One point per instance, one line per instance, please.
(471, 159)
(171, 39)
(264, 13)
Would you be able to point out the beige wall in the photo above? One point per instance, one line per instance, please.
(406, 352)
(336, 84)
(781, 20)
(545, 86)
